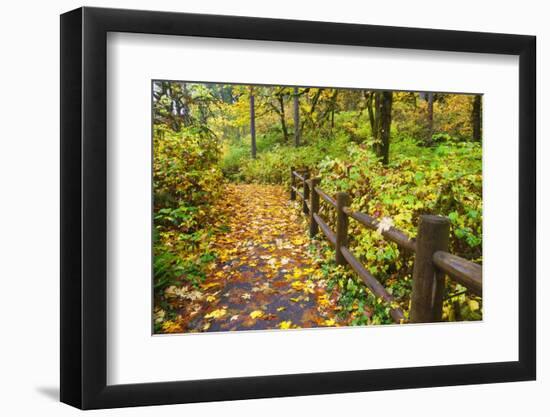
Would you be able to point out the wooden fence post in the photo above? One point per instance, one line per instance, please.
(342, 200)
(292, 184)
(428, 282)
(306, 192)
(313, 206)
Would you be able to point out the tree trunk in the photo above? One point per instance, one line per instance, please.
(282, 115)
(309, 115)
(379, 106)
(476, 118)
(385, 125)
(296, 118)
(369, 97)
(252, 125)
(377, 100)
(333, 106)
(430, 119)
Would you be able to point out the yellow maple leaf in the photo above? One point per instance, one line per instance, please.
(210, 285)
(210, 298)
(281, 308)
(323, 300)
(216, 314)
(256, 314)
(329, 322)
(285, 324)
(297, 285)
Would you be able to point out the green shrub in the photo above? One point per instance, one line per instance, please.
(238, 151)
(274, 167)
(186, 181)
(444, 180)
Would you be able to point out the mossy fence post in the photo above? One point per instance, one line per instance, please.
(313, 206)
(428, 281)
(306, 192)
(342, 221)
(292, 184)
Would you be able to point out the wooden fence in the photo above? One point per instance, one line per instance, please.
(432, 260)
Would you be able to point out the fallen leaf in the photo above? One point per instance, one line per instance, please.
(216, 314)
(256, 314)
(384, 225)
(285, 324)
(171, 327)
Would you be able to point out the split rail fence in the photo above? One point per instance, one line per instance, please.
(432, 260)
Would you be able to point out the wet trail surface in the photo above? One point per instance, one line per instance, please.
(264, 277)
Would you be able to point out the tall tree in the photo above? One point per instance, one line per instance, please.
(296, 117)
(430, 133)
(281, 111)
(476, 118)
(313, 101)
(252, 125)
(384, 127)
(379, 107)
(333, 108)
(171, 104)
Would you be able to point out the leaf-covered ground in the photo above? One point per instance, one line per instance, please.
(264, 276)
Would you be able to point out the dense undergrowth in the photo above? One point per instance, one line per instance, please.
(443, 179)
(442, 175)
(187, 181)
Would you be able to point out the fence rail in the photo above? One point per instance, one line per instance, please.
(432, 262)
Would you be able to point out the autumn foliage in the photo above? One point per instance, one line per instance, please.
(231, 251)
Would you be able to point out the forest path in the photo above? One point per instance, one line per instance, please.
(264, 277)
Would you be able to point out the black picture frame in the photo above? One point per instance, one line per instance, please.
(84, 207)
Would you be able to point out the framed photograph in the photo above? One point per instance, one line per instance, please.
(256, 208)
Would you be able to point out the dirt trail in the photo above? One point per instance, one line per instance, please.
(264, 277)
